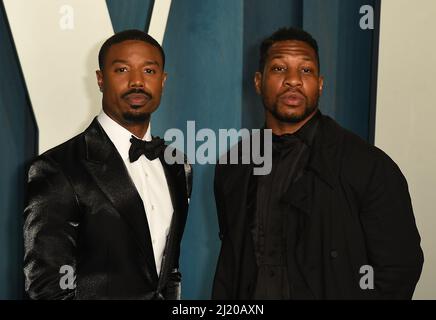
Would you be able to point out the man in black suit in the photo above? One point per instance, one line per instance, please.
(106, 212)
(333, 219)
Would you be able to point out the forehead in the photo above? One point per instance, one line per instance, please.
(292, 48)
(133, 49)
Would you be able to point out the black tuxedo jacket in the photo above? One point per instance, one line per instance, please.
(355, 210)
(83, 211)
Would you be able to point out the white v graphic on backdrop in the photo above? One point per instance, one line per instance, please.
(159, 18)
(57, 44)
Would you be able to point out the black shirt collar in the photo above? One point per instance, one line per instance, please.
(306, 133)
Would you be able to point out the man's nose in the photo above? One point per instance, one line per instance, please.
(136, 79)
(293, 78)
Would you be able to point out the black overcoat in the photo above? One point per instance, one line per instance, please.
(357, 212)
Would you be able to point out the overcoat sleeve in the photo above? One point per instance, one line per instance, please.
(222, 281)
(391, 235)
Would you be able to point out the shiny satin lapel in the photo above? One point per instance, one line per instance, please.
(104, 163)
(175, 176)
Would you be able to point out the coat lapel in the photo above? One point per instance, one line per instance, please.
(175, 176)
(313, 210)
(109, 172)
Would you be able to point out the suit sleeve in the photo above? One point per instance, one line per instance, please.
(392, 238)
(50, 233)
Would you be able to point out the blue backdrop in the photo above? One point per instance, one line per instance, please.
(18, 136)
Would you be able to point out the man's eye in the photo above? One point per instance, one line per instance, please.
(278, 69)
(307, 70)
(150, 71)
(122, 69)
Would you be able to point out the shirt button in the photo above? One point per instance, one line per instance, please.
(152, 207)
(146, 175)
(333, 254)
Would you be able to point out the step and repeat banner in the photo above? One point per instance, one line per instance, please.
(49, 93)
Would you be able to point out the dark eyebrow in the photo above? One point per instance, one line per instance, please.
(119, 61)
(308, 58)
(279, 56)
(148, 62)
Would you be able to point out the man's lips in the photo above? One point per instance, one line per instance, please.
(292, 98)
(136, 98)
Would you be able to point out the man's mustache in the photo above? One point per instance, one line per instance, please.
(140, 91)
(292, 90)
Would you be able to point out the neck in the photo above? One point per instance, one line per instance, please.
(280, 128)
(137, 128)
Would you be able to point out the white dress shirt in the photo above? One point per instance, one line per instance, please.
(150, 182)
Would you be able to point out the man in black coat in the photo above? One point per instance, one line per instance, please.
(332, 220)
(106, 212)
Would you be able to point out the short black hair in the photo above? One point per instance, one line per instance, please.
(284, 34)
(132, 34)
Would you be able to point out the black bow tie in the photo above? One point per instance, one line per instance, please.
(151, 149)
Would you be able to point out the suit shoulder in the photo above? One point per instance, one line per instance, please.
(357, 149)
(353, 147)
(361, 161)
(62, 155)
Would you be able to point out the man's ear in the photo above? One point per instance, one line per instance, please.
(258, 82)
(321, 84)
(164, 78)
(99, 75)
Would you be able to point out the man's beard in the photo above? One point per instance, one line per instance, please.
(136, 117)
(294, 118)
(133, 117)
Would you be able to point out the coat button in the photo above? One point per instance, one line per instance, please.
(333, 254)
